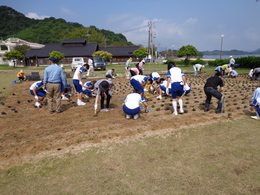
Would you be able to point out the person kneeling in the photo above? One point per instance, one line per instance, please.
(131, 105)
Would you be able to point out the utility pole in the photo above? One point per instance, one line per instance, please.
(150, 39)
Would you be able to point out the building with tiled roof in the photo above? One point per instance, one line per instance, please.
(76, 48)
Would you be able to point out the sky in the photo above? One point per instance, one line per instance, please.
(205, 24)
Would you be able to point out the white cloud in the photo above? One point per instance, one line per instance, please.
(191, 21)
(35, 16)
(67, 11)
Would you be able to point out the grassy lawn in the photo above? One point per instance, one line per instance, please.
(211, 159)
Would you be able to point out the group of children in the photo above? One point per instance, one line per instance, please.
(102, 88)
(142, 87)
(226, 69)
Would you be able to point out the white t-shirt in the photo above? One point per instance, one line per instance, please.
(133, 100)
(164, 84)
(140, 78)
(155, 75)
(198, 66)
(79, 69)
(37, 84)
(90, 62)
(175, 74)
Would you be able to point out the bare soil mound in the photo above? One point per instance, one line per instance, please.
(28, 133)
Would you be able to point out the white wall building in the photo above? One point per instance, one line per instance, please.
(11, 43)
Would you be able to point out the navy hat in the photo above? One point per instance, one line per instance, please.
(145, 79)
(104, 86)
(52, 59)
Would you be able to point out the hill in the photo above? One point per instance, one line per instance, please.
(12, 22)
(231, 52)
(52, 30)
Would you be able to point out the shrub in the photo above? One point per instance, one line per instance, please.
(218, 62)
(198, 61)
(248, 62)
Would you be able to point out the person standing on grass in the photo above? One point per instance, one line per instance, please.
(103, 87)
(232, 62)
(211, 89)
(127, 68)
(177, 80)
(53, 75)
(91, 68)
(140, 66)
(78, 83)
(131, 105)
(255, 104)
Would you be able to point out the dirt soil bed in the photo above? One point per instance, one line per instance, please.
(29, 133)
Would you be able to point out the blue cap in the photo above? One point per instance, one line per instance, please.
(145, 79)
(52, 59)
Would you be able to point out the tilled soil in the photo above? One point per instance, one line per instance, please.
(29, 133)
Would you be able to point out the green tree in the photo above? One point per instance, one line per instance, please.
(14, 55)
(22, 48)
(103, 54)
(187, 51)
(140, 53)
(56, 54)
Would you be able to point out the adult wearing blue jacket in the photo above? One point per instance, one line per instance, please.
(53, 75)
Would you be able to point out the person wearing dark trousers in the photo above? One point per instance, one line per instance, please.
(103, 87)
(211, 89)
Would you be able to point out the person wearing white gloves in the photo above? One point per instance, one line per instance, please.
(78, 83)
(37, 90)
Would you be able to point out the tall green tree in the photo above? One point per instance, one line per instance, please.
(14, 55)
(140, 53)
(187, 51)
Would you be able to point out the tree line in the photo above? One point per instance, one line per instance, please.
(52, 30)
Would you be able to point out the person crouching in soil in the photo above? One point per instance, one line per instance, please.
(131, 105)
(36, 89)
(211, 89)
(255, 104)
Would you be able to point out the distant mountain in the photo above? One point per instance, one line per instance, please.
(52, 30)
(231, 52)
(12, 22)
(256, 51)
